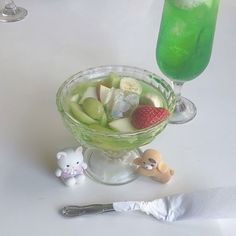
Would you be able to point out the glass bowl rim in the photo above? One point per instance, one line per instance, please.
(105, 133)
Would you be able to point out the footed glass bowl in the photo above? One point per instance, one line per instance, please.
(110, 156)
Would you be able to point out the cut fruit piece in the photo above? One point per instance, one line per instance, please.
(122, 125)
(103, 120)
(145, 116)
(112, 80)
(80, 88)
(101, 128)
(93, 108)
(131, 85)
(79, 115)
(75, 98)
(150, 99)
(104, 93)
(89, 93)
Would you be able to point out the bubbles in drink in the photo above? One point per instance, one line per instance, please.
(178, 28)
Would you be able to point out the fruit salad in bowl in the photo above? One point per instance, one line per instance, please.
(111, 111)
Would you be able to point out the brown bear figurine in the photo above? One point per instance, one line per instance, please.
(150, 164)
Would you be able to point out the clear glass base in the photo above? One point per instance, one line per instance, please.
(11, 13)
(111, 168)
(184, 111)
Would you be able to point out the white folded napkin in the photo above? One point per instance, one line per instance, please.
(215, 203)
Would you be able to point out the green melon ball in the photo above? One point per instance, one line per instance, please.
(93, 108)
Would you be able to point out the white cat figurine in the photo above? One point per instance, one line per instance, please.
(71, 166)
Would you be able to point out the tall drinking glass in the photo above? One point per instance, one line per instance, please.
(184, 46)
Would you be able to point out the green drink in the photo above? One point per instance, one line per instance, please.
(184, 45)
(185, 38)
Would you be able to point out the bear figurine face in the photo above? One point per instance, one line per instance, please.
(70, 161)
(151, 164)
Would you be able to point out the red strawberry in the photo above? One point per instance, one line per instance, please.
(145, 115)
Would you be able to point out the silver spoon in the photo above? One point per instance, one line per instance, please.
(217, 203)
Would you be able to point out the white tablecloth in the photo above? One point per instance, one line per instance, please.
(60, 38)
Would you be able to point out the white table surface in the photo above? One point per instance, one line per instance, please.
(60, 38)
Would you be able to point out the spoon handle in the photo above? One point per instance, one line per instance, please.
(72, 211)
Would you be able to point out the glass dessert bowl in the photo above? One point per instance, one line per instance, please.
(109, 140)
